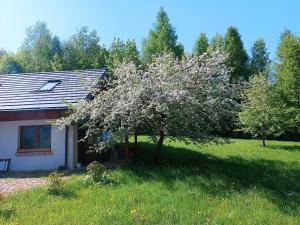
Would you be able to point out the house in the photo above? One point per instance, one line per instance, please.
(28, 104)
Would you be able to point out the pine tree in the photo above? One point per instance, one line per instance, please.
(237, 57)
(217, 43)
(161, 39)
(131, 52)
(201, 45)
(260, 57)
(120, 52)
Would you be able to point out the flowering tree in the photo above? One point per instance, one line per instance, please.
(186, 99)
(114, 108)
(180, 99)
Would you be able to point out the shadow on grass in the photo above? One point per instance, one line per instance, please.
(279, 181)
(284, 147)
(7, 212)
(63, 193)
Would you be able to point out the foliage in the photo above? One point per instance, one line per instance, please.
(55, 183)
(286, 98)
(38, 49)
(120, 52)
(9, 64)
(95, 171)
(237, 56)
(260, 57)
(162, 39)
(217, 43)
(57, 63)
(236, 183)
(83, 51)
(2, 52)
(257, 116)
(131, 53)
(201, 45)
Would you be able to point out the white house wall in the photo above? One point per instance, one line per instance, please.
(72, 157)
(9, 135)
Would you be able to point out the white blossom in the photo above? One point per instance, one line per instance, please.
(182, 99)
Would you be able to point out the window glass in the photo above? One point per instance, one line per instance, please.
(44, 137)
(28, 136)
(50, 85)
(35, 137)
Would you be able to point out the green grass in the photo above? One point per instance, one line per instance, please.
(236, 183)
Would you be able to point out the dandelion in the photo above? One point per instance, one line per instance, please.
(133, 211)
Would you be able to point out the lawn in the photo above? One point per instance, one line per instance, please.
(235, 183)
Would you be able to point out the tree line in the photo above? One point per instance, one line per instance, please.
(43, 51)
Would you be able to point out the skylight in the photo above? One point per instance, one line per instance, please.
(49, 85)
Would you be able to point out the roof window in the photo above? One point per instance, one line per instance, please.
(49, 85)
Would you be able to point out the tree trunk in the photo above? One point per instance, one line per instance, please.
(264, 135)
(126, 149)
(135, 138)
(264, 140)
(158, 146)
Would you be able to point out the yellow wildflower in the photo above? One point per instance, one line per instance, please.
(133, 211)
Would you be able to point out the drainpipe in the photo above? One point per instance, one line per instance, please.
(66, 146)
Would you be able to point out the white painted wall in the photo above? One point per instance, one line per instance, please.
(72, 146)
(9, 135)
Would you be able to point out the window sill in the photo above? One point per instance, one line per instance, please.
(31, 152)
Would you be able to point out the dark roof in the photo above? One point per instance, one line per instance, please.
(20, 92)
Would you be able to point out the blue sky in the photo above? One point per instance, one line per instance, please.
(134, 18)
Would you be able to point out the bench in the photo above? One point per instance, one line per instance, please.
(4, 165)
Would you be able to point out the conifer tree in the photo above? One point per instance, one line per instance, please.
(260, 57)
(161, 39)
(217, 43)
(237, 57)
(201, 45)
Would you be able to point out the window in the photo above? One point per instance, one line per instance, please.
(35, 137)
(49, 85)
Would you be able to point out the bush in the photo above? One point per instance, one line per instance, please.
(55, 183)
(95, 171)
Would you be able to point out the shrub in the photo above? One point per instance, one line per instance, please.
(55, 183)
(95, 171)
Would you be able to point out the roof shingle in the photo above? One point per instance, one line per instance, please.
(19, 92)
